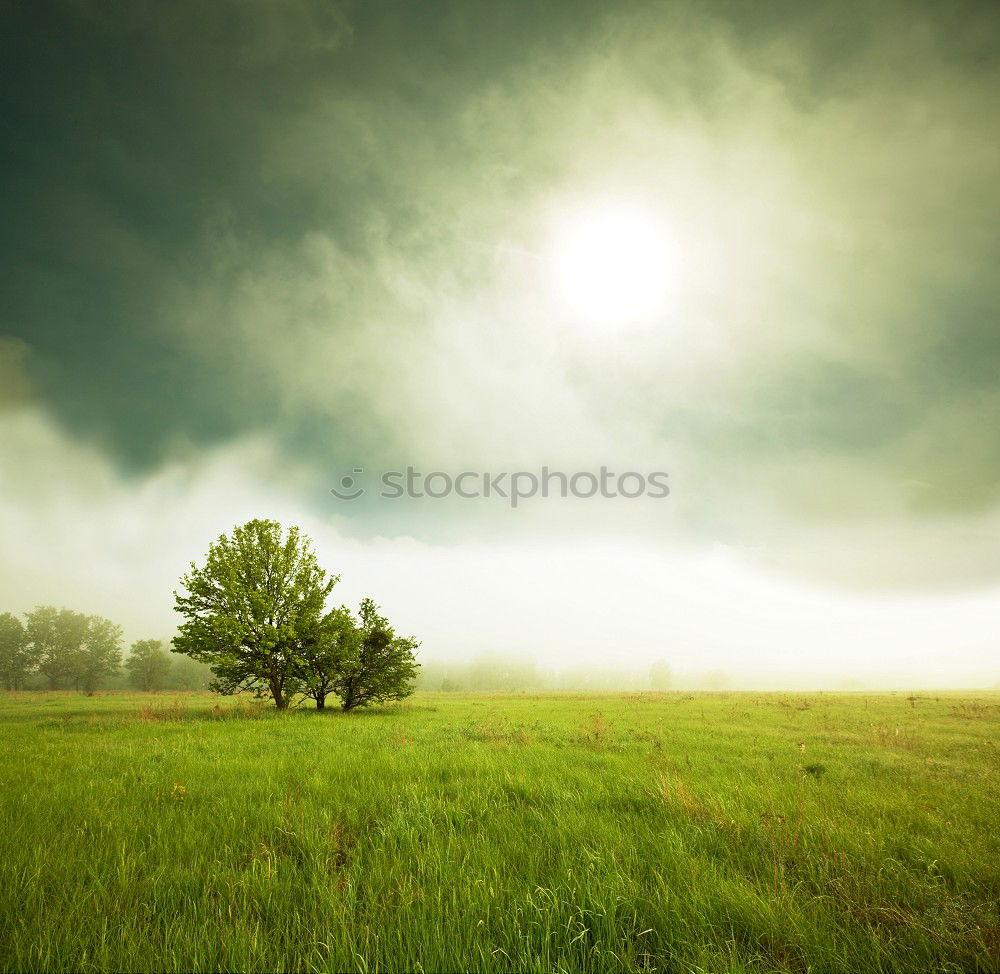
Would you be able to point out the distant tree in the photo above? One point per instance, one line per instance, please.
(378, 665)
(250, 608)
(56, 638)
(661, 677)
(498, 674)
(714, 680)
(328, 647)
(16, 658)
(442, 676)
(100, 655)
(189, 674)
(148, 665)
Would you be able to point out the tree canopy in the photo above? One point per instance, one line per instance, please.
(255, 611)
(56, 637)
(71, 648)
(252, 607)
(254, 616)
(65, 649)
(330, 643)
(100, 654)
(15, 652)
(376, 664)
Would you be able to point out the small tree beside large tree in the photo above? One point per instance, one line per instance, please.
(377, 665)
(329, 644)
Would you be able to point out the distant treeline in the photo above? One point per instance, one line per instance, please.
(60, 649)
(495, 674)
(500, 674)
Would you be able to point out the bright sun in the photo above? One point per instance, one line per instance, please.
(612, 264)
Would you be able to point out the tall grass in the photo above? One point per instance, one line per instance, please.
(671, 832)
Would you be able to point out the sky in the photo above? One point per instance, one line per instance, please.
(250, 248)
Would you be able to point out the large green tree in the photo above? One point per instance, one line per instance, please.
(251, 607)
(376, 665)
(16, 657)
(148, 665)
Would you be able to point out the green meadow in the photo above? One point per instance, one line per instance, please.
(645, 832)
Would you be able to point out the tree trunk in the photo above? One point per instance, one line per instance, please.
(321, 701)
(277, 690)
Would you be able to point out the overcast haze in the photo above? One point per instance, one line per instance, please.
(251, 246)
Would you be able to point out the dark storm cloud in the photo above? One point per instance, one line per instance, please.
(136, 132)
(304, 219)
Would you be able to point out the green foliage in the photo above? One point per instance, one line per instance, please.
(64, 647)
(254, 617)
(148, 665)
(255, 611)
(189, 674)
(100, 655)
(330, 645)
(377, 665)
(16, 657)
(57, 639)
(251, 608)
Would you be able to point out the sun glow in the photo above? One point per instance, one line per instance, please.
(613, 264)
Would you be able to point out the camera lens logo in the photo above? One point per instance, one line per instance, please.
(349, 491)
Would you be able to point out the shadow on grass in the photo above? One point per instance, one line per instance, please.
(386, 710)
